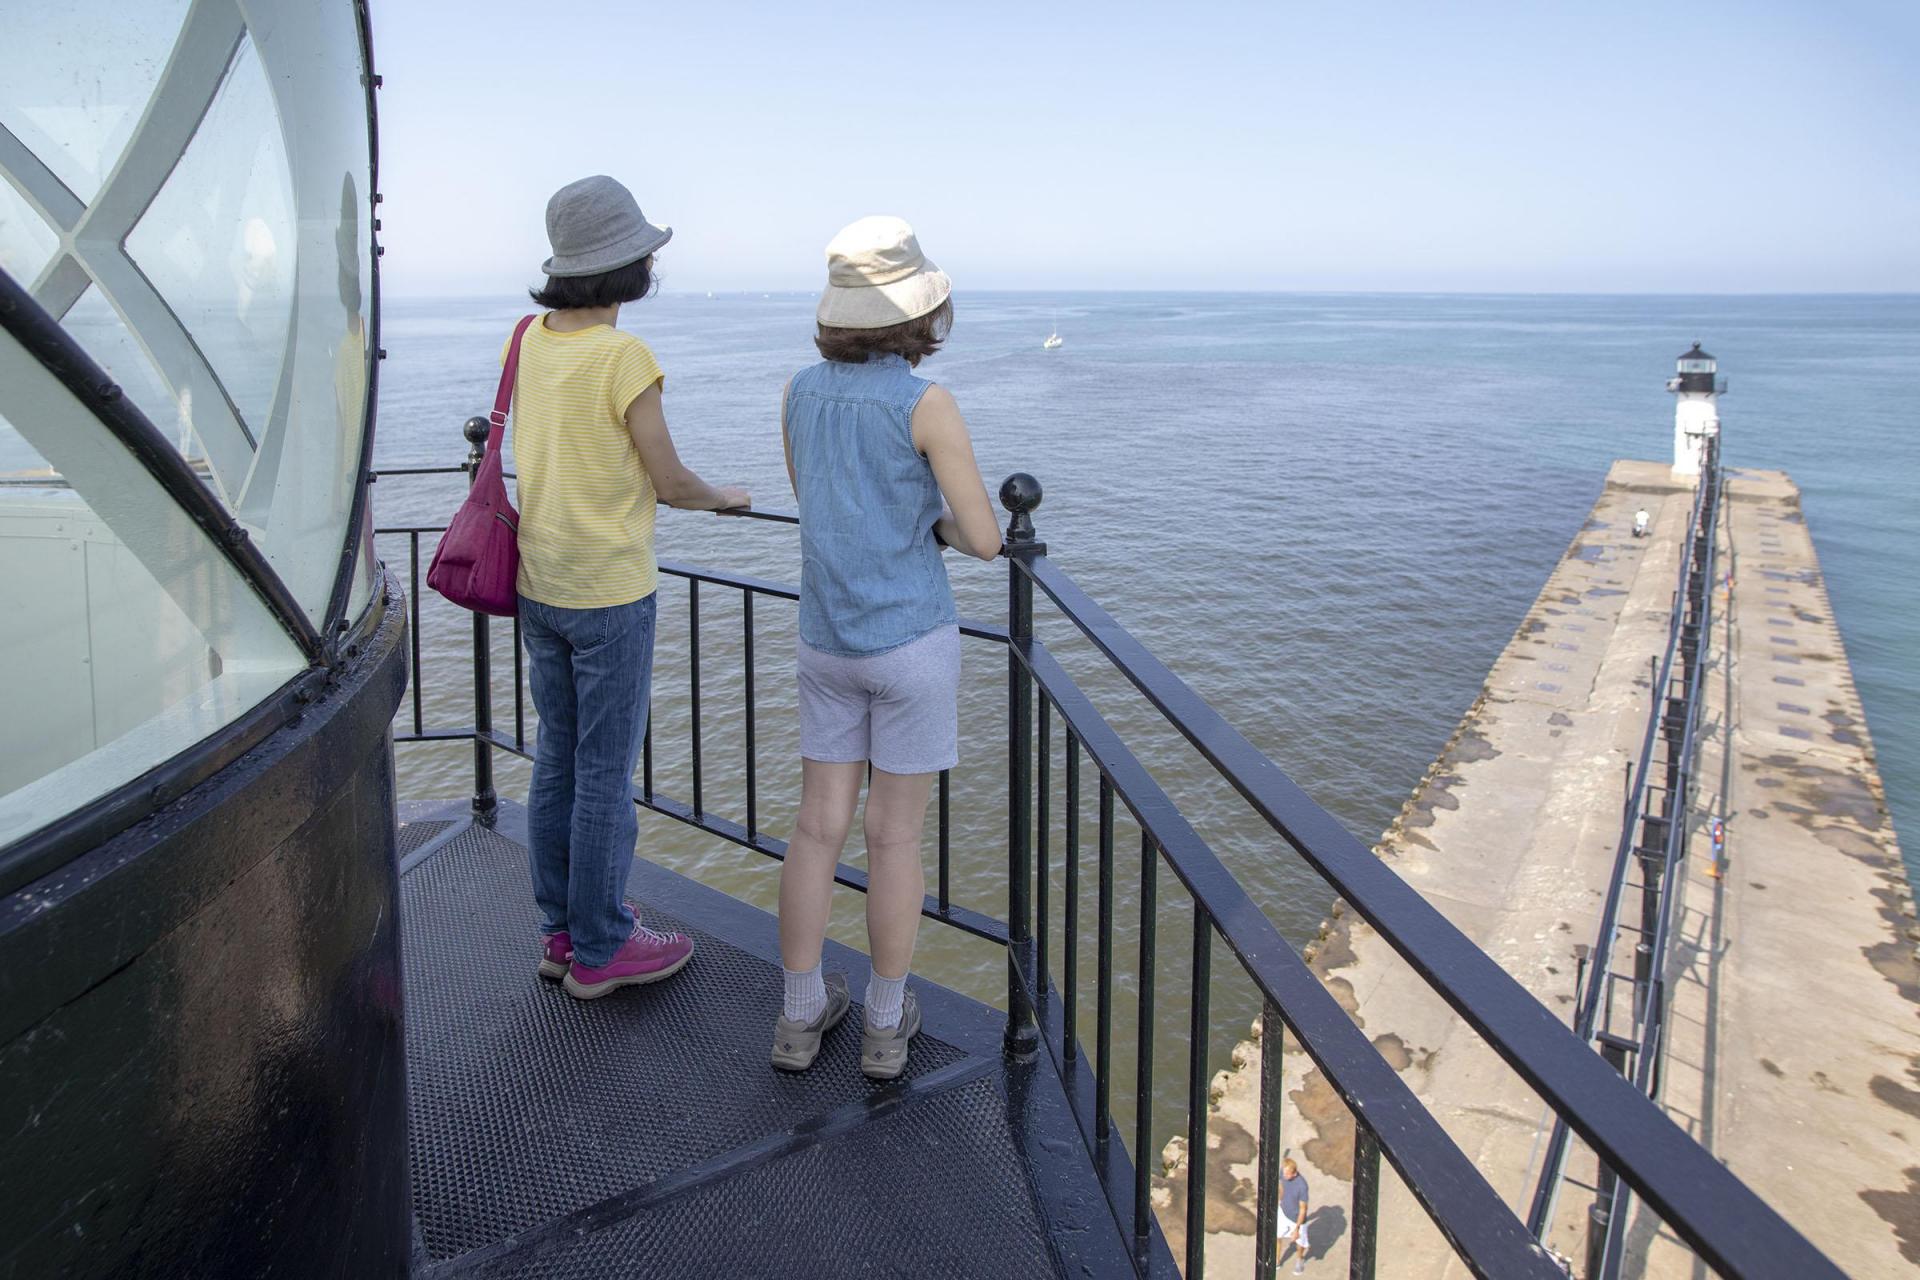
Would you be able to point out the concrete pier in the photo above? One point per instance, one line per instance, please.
(1794, 1051)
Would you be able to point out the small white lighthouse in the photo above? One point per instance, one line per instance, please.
(1696, 417)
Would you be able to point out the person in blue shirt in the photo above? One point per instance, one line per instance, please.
(1293, 1214)
(883, 467)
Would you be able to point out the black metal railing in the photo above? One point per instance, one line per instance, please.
(1650, 864)
(1730, 1228)
(691, 810)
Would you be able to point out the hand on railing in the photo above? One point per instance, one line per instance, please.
(750, 512)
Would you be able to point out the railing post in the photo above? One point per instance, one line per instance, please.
(1361, 1252)
(1652, 863)
(1020, 494)
(485, 803)
(1600, 1212)
(1266, 1195)
(1198, 1086)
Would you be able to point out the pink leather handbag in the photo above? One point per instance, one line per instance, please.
(478, 560)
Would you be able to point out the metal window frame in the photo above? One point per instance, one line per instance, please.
(93, 253)
(93, 233)
(359, 529)
(328, 648)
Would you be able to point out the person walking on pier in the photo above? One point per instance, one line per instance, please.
(1293, 1213)
(593, 454)
(883, 468)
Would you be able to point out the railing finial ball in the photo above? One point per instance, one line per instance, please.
(1020, 493)
(475, 430)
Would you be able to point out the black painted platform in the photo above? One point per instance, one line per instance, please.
(645, 1134)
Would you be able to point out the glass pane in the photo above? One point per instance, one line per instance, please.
(267, 268)
(75, 78)
(302, 485)
(142, 638)
(366, 575)
(98, 327)
(217, 243)
(27, 243)
(22, 467)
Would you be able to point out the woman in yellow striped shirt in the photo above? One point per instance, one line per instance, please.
(593, 455)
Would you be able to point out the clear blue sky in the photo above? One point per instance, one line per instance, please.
(1620, 146)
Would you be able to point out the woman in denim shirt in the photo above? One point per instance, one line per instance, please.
(883, 467)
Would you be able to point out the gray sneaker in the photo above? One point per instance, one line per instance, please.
(797, 1044)
(883, 1054)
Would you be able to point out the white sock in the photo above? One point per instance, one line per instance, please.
(806, 995)
(884, 998)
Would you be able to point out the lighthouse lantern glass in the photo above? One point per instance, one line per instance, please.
(189, 195)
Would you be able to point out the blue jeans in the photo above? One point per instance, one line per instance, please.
(592, 680)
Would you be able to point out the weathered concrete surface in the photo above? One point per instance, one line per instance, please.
(1511, 835)
(1795, 1053)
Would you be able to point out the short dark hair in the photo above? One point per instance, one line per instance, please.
(608, 289)
(916, 339)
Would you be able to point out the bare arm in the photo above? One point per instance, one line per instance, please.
(673, 480)
(786, 441)
(940, 433)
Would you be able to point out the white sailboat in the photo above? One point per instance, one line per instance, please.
(1053, 339)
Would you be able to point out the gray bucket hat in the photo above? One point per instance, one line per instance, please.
(594, 226)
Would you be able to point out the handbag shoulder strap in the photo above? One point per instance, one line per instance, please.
(503, 398)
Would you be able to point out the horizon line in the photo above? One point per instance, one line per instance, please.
(393, 293)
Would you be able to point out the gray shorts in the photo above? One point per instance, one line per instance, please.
(898, 709)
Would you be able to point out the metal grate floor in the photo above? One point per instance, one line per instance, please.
(415, 834)
(897, 1197)
(645, 1133)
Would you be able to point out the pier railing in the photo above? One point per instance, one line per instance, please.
(1623, 1006)
(1730, 1228)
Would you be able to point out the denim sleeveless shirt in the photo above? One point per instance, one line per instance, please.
(871, 577)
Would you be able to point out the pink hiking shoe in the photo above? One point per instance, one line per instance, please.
(644, 957)
(556, 953)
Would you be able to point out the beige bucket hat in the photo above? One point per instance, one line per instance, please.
(877, 276)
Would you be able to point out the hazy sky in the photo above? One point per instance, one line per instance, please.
(1703, 146)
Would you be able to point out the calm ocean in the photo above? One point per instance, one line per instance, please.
(1328, 513)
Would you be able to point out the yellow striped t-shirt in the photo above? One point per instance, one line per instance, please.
(586, 501)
